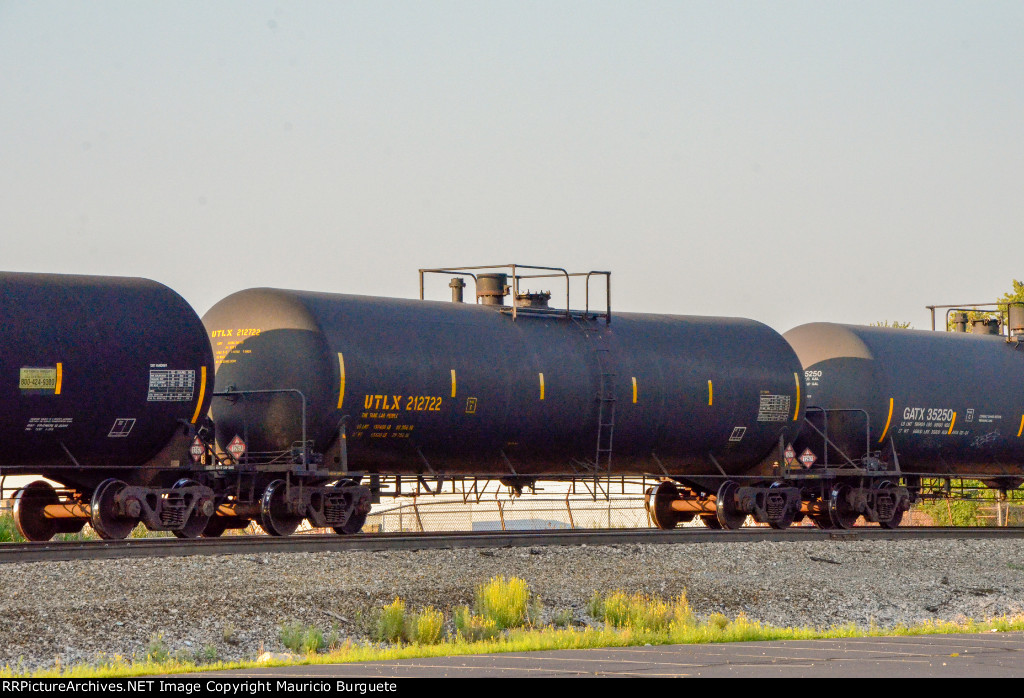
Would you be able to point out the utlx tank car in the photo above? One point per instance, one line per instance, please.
(518, 392)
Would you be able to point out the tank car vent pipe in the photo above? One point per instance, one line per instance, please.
(491, 289)
(959, 322)
(1015, 321)
(456, 286)
(985, 326)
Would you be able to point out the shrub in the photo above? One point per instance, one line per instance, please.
(390, 626)
(562, 618)
(157, 650)
(301, 639)
(640, 612)
(504, 601)
(472, 628)
(427, 626)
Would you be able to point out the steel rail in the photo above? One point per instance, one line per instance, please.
(258, 544)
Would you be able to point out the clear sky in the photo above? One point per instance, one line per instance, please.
(785, 161)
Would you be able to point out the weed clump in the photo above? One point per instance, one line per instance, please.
(640, 612)
(474, 628)
(506, 602)
(396, 625)
(301, 639)
(390, 626)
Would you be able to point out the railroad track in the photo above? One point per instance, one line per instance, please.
(242, 545)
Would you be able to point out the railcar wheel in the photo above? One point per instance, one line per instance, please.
(822, 521)
(729, 516)
(275, 518)
(198, 521)
(106, 521)
(711, 521)
(659, 505)
(216, 526)
(894, 522)
(29, 503)
(354, 524)
(839, 509)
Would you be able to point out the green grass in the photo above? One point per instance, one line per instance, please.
(619, 620)
(9, 530)
(739, 629)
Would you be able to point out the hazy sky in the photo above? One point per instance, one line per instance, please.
(785, 161)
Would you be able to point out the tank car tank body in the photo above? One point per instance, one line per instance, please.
(105, 381)
(951, 403)
(915, 403)
(443, 389)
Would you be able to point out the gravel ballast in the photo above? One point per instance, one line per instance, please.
(76, 611)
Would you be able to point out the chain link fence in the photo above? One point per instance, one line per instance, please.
(529, 512)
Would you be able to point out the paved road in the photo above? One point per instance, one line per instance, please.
(979, 655)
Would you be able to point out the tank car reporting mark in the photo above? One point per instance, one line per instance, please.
(412, 403)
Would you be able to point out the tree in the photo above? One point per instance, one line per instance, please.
(893, 323)
(1014, 296)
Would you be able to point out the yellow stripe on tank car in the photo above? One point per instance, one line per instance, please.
(796, 412)
(1021, 430)
(634, 390)
(888, 421)
(453, 382)
(60, 378)
(541, 385)
(711, 393)
(202, 393)
(951, 425)
(341, 381)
